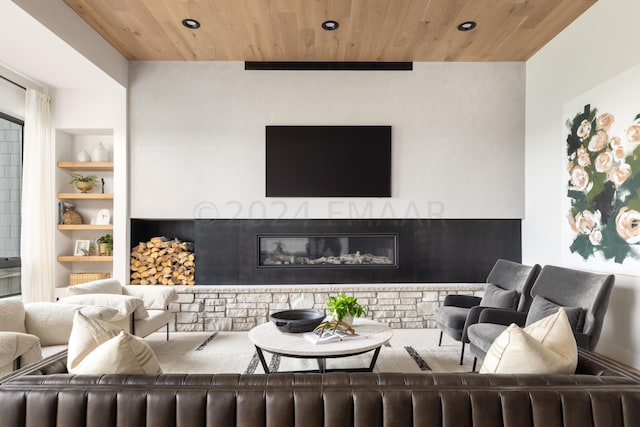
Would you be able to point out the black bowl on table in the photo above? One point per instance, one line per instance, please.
(297, 321)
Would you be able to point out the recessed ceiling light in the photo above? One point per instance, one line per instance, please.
(467, 26)
(191, 23)
(330, 25)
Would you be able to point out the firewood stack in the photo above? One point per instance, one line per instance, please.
(161, 261)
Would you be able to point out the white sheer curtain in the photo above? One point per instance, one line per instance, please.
(38, 201)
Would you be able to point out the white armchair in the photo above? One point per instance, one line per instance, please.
(29, 332)
(141, 309)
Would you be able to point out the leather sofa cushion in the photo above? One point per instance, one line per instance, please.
(315, 400)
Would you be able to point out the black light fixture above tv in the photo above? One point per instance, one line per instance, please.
(328, 161)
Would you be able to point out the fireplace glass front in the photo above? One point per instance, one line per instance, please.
(328, 251)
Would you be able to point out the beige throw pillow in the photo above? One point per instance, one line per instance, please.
(123, 354)
(86, 335)
(544, 347)
(97, 348)
(125, 304)
(102, 286)
(154, 297)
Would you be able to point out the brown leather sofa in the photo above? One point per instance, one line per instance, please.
(601, 394)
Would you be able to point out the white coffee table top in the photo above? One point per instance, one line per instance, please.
(372, 335)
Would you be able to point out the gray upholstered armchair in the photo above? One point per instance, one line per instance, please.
(508, 286)
(584, 295)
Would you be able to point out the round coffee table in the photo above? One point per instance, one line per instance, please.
(372, 336)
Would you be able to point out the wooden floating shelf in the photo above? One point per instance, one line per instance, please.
(71, 258)
(85, 196)
(86, 166)
(85, 226)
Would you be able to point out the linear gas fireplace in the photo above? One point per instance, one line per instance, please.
(328, 251)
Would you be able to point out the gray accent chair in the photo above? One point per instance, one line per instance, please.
(458, 312)
(584, 295)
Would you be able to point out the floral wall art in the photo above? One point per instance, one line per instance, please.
(602, 137)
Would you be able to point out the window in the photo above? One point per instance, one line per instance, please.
(11, 130)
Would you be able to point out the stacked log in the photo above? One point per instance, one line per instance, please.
(161, 261)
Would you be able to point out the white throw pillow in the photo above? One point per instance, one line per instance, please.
(123, 354)
(125, 304)
(544, 347)
(86, 335)
(102, 286)
(52, 322)
(154, 297)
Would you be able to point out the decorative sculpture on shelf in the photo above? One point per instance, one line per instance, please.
(83, 156)
(100, 154)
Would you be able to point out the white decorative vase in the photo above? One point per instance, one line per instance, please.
(83, 156)
(100, 154)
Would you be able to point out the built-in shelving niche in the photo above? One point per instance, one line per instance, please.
(68, 143)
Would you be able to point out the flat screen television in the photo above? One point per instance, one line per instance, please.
(328, 161)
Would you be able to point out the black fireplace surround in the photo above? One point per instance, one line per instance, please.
(426, 250)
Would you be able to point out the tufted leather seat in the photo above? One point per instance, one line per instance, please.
(611, 398)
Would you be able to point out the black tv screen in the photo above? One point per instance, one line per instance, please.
(328, 161)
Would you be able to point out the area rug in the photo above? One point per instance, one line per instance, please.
(409, 351)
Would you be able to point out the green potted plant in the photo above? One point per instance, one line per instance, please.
(344, 308)
(105, 244)
(82, 182)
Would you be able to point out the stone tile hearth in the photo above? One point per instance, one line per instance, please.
(224, 308)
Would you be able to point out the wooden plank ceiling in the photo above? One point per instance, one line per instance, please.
(290, 30)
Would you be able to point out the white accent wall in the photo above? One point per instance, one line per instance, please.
(197, 138)
(601, 44)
